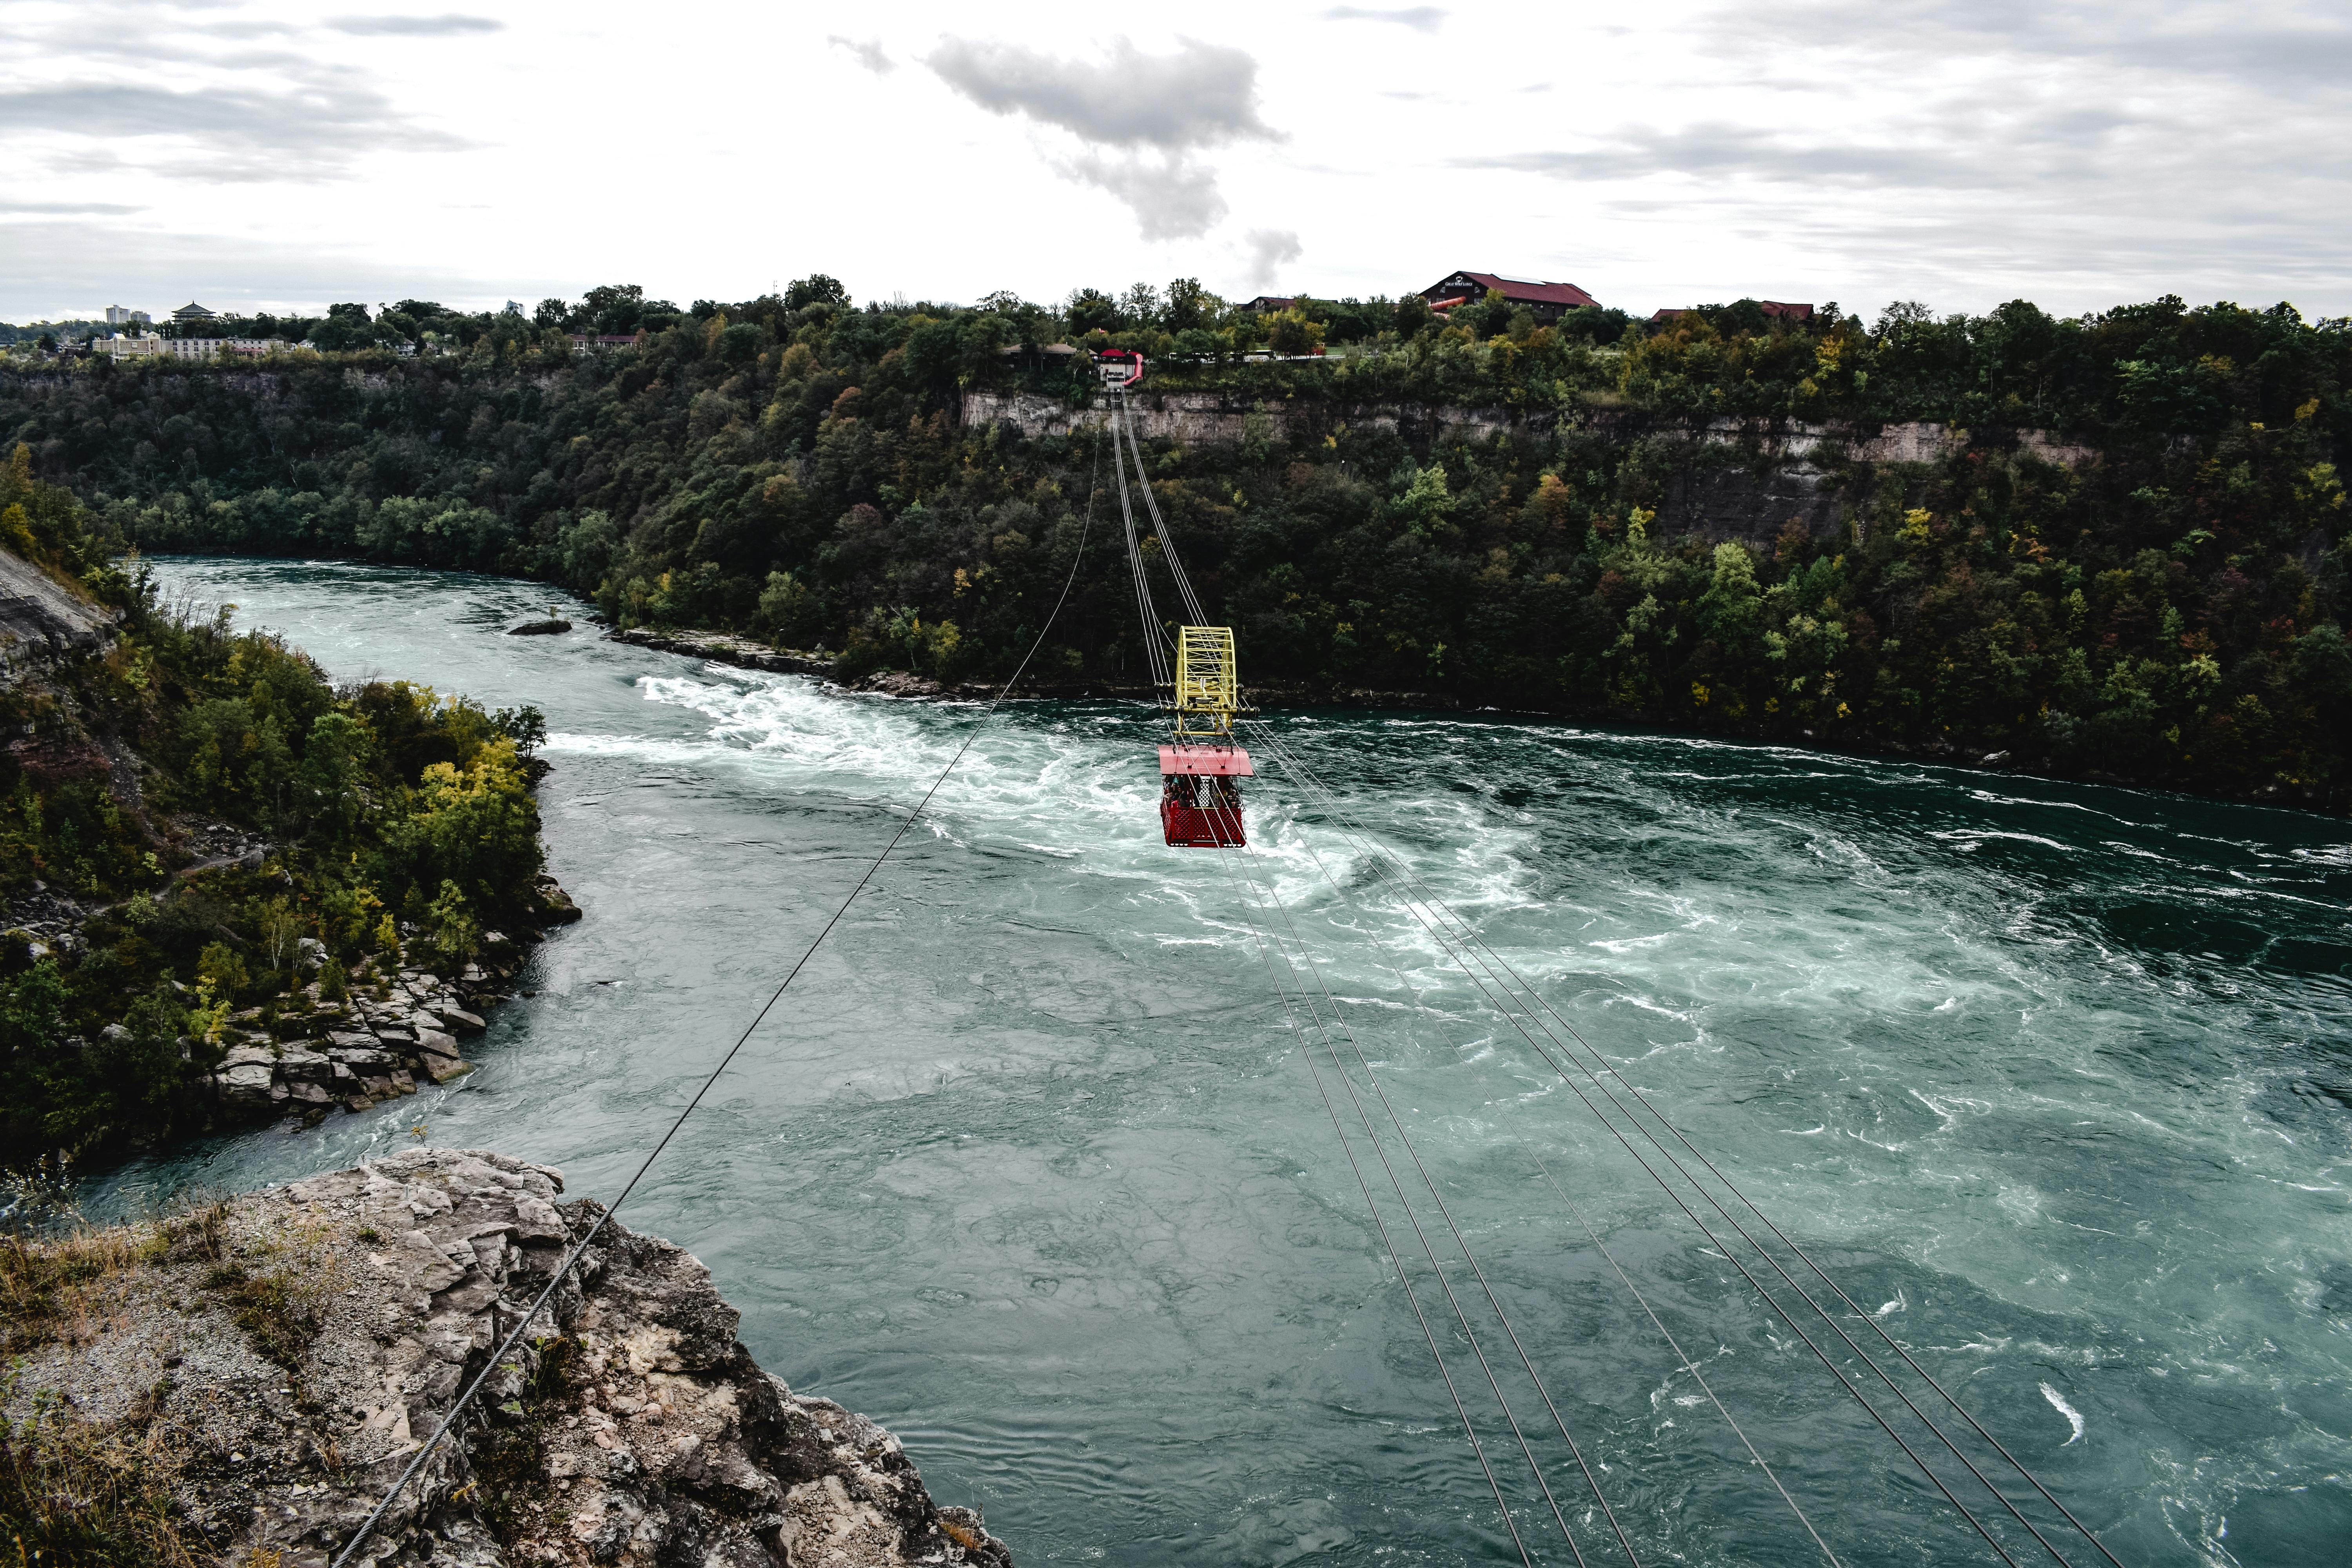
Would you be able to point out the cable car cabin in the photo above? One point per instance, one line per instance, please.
(1200, 797)
(1120, 368)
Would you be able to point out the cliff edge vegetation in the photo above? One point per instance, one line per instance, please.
(200, 836)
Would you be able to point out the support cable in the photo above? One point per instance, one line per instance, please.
(1851, 1387)
(1396, 1259)
(1680, 1356)
(1490, 961)
(1155, 635)
(1526, 1361)
(1192, 601)
(564, 1268)
(1268, 896)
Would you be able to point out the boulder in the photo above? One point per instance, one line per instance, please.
(247, 1084)
(434, 1043)
(444, 1069)
(299, 1066)
(460, 1021)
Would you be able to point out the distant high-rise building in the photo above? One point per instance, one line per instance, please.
(514, 307)
(116, 316)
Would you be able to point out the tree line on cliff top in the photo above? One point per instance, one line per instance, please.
(794, 468)
(397, 821)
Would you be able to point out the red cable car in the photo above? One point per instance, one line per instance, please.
(1200, 804)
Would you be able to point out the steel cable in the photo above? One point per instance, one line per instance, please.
(1267, 896)
(1312, 788)
(1489, 960)
(1388, 1244)
(1461, 1241)
(1470, 940)
(1159, 529)
(564, 1268)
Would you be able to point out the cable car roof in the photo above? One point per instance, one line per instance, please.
(1221, 761)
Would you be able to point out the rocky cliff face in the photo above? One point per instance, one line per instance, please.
(39, 620)
(280, 1359)
(1735, 478)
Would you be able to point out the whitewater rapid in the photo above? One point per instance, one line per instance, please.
(1030, 1166)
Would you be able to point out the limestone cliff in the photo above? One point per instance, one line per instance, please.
(272, 1363)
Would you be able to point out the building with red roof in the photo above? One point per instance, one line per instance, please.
(1546, 302)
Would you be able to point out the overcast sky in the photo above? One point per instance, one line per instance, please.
(1959, 151)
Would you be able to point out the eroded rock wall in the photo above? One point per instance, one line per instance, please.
(41, 621)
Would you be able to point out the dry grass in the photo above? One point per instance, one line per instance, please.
(281, 1303)
(54, 1290)
(76, 1494)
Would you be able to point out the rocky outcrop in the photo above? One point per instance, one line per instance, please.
(1738, 479)
(551, 625)
(629, 1427)
(40, 620)
(724, 648)
(316, 1055)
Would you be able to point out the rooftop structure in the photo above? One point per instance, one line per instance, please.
(1547, 301)
(192, 311)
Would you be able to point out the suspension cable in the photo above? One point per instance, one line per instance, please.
(563, 1268)
(1388, 1244)
(1263, 897)
(1448, 942)
(1356, 1048)
(1155, 635)
(1192, 601)
(1490, 961)
(1420, 1003)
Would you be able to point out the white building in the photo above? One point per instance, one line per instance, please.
(116, 316)
(143, 346)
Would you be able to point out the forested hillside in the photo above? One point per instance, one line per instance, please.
(194, 823)
(2165, 607)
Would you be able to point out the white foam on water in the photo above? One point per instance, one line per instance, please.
(2073, 1416)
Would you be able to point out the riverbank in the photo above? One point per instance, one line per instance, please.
(243, 1382)
(397, 1024)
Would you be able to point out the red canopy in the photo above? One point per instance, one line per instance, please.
(1222, 761)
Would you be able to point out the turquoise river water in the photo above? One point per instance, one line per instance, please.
(2056, 1081)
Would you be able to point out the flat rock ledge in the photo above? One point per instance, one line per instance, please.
(632, 1429)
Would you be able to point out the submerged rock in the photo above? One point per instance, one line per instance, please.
(631, 1428)
(547, 627)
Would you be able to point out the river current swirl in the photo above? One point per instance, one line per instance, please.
(2056, 1081)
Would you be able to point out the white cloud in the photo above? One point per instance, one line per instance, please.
(2080, 153)
(1172, 198)
(1419, 18)
(869, 54)
(1141, 116)
(1270, 250)
(1198, 96)
(447, 25)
